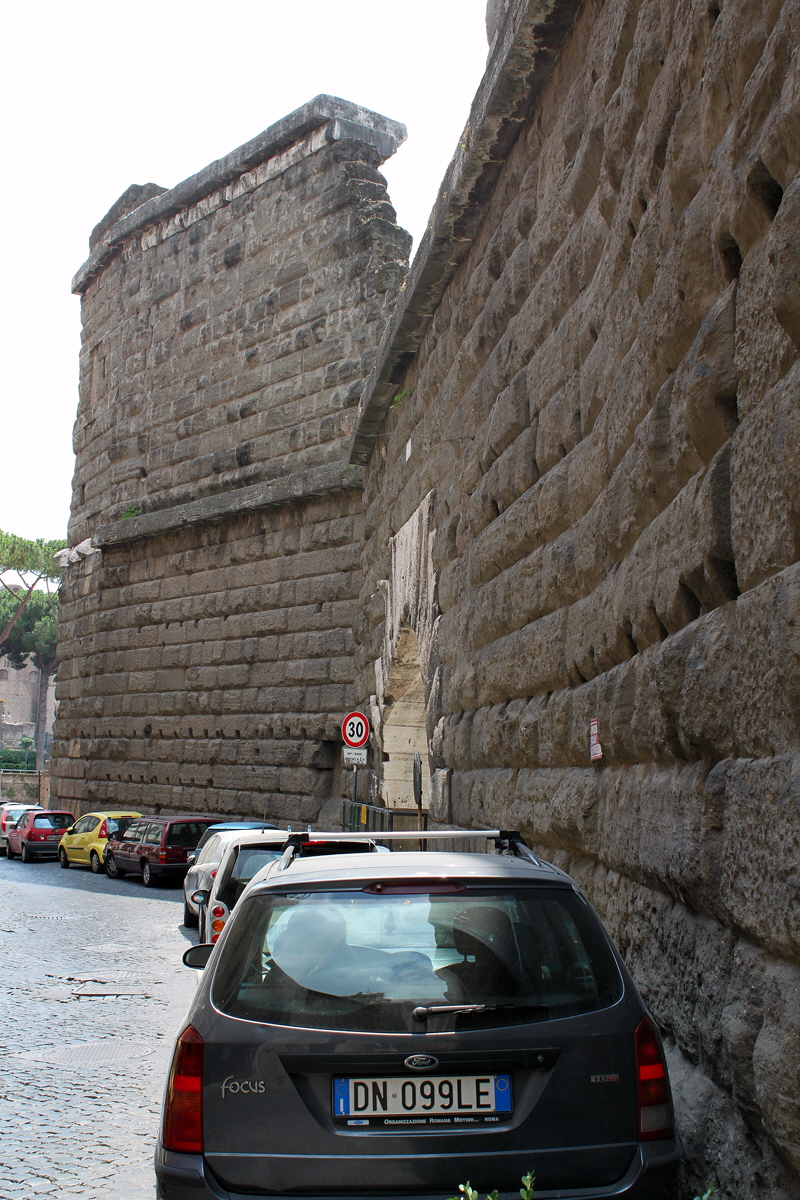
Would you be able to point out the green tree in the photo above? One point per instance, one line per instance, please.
(33, 563)
(32, 638)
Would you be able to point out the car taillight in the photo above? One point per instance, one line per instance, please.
(183, 1106)
(103, 830)
(213, 874)
(218, 911)
(214, 938)
(162, 856)
(655, 1104)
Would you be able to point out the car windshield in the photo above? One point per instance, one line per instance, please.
(210, 850)
(53, 821)
(247, 864)
(363, 960)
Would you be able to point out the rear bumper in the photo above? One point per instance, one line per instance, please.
(41, 850)
(169, 870)
(653, 1175)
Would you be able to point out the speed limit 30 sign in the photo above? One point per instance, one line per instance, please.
(355, 730)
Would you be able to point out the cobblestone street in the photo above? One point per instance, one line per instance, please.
(93, 990)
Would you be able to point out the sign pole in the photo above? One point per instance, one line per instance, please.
(417, 784)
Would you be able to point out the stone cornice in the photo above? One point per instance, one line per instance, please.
(344, 120)
(298, 487)
(519, 65)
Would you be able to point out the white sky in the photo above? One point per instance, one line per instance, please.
(96, 96)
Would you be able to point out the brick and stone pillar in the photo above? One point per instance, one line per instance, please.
(228, 326)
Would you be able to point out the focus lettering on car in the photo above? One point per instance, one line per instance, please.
(420, 1062)
(234, 1087)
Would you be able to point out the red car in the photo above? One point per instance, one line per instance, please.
(37, 834)
(155, 847)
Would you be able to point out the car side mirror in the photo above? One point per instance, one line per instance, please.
(199, 897)
(71, 829)
(191, 859)
(198, 956)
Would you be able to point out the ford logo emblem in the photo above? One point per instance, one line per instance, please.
(420, 1062)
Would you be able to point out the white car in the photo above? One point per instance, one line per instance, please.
(200, 875)
(10, 813)
(247, 854)
(242, 856)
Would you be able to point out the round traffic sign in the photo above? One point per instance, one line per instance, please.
(355, 730)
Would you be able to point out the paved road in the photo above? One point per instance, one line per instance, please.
(92, 993)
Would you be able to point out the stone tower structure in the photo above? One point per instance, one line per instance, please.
(228, 326)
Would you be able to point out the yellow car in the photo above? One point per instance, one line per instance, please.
(85, 842)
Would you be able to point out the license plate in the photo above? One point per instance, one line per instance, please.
(439, 1098)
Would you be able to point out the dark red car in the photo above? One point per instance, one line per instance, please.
(156, 848)
(37, 833)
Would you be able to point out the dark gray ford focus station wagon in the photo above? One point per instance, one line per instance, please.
(387, 1025)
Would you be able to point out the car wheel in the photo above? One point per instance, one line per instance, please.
(148, 875)
(26, 854)
(94, 863)
(112, 870)
(190, 920)
(9, 851)
(62, 858)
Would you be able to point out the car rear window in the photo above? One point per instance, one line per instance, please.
(53, 821)
(360, 960)
(246, 865)
(186, 833)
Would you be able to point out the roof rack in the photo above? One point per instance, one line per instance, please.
(507, 841)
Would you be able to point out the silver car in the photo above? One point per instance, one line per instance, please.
(203, 864)
(243, 856)
(376, 1025)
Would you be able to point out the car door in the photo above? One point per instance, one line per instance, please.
(123, 852)
(70, 840)
(17, 832)
(77, 842)
(151, 844)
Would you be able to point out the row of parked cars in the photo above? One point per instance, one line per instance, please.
(214, 859)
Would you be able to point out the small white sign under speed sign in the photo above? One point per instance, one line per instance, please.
(355, 730)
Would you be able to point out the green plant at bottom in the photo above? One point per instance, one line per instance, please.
(468, 1192)
(708, 1193)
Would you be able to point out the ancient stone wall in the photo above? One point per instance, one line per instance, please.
(228, 326)
(586, 406)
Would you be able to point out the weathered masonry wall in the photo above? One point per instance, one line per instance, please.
(229, 324)
(212, 666)
(581, 496)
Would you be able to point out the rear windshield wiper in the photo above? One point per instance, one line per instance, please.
(422, 1012)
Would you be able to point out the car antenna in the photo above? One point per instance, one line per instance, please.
(264, 818)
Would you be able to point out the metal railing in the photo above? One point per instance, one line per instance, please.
(366, 818)
(370, 818)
